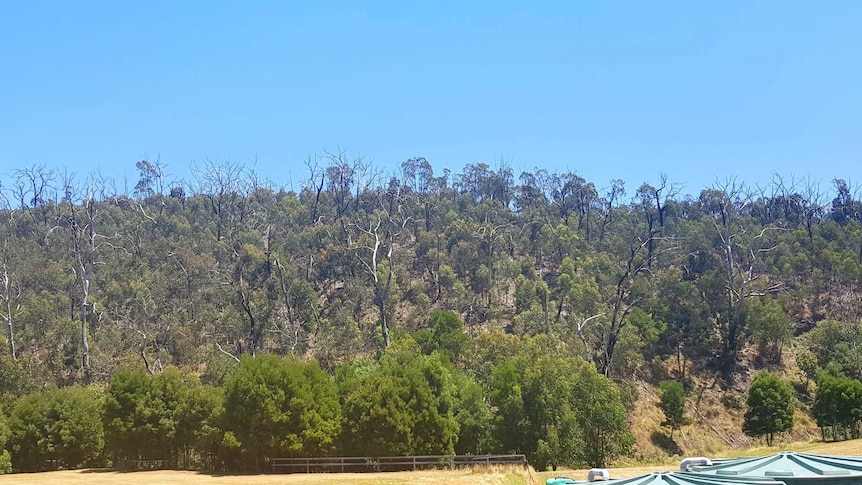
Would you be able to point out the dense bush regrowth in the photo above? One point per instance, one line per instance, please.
(477, 311)
(281, 407)
(57, 429)
(558, 410)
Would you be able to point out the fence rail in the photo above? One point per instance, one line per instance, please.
(389, 463)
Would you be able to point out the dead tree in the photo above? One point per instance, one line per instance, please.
(83, 237)
(373, 247)
(32, 190)
(10, 292)
(621, 303)
(653, 200)
(314, 185)
(741, 250)
(222, 185)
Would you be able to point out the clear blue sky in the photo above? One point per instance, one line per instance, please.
(609, 89)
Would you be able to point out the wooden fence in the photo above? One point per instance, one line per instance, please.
(351, 464)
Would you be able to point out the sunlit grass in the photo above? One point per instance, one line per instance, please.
(491, 475)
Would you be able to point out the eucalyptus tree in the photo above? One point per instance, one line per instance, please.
(619, 273)
(10, 291)
(770, 407)
(405, 404)
(740, 246)
(85, 243)
(372, 239)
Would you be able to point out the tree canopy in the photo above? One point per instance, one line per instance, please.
(770, 407)
(672, 404)
(468, 310)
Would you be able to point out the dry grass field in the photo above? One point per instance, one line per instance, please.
(511, 476)
(169, 477)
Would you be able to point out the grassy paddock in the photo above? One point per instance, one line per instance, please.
(493, 475)
(171, 477)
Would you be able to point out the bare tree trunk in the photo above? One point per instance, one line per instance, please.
(621, 307)
(85, 294)
(7, 300)
(587, 355)
(83, 236)
(376, 255)
(384, 325)
(254, 331)
(381, 295)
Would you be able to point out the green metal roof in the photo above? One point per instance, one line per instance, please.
(789, 467)
(670, 478)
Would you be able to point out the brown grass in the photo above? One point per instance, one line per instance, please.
(478, 476)
(170, 477)
(717, 413)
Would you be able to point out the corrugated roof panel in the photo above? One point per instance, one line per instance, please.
(673, 478)
(790, 467)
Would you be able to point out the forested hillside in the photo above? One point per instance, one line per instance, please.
(358, 268)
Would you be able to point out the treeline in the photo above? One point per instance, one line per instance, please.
(644, 284)
(228, 265)
(557, 409)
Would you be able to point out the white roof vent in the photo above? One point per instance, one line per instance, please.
(686, 464)
(598, 474)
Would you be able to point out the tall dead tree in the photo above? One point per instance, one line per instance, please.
(10, 291)
(741, 249)
(653, 200)
(83, 237)
(314, 185)
(373, 246)
(221, 183)
(32, 191)
(621, 303)
(813, 205)
(616, 190)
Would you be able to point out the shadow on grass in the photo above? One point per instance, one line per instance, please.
(664, 442)
(208, 473)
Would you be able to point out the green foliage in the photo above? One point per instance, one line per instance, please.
(636, 342)
(770, 326)
(14, 381)
(602, 418)
(488, 350)
(770, 407)
(445, 334)
(239, 268)
(557, 409)
(473, 415)
(672, 404)
(281, 407)
(5, 457)
(510, 422)
(807, 363)
(406, 405)
(126, 436)
(559, 445)
(838, 406)
(838, 342)
(168, 416)
(57, 429)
